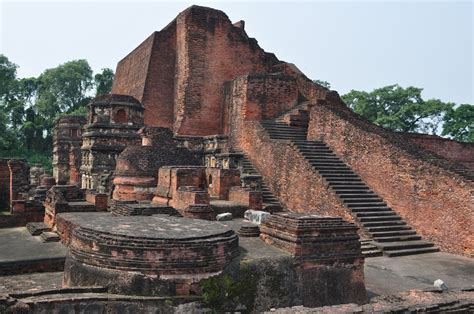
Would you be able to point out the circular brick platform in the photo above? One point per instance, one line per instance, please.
(148, 255)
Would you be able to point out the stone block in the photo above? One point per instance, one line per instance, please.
(224, 217)
(256, 216)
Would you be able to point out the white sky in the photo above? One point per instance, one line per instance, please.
(351, 44)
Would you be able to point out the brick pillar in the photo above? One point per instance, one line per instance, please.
(327, 254)
(4, 184)
(19, 178)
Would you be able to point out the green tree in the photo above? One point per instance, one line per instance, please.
(399, 109)
(459, 123)
(63, 88)
(323, 83)
(7, 76)
(103, 81)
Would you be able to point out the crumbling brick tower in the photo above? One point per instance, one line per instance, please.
(205, 79)
(66, 138)
(178, 73)
(112, 125)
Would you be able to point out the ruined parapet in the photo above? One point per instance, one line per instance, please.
(66, 136)
(327, 253)
(75, 166)
(220, 181)
(19, 179)
(137, 167)
(113, 122)
(63, 199)
(170, 178)
(147, 255)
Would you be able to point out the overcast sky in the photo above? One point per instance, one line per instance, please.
(351, 44)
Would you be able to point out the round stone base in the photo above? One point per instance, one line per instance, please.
(157, 255)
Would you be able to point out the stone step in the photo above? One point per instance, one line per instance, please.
(316, 156)
(413, 237)
(404, 252)
(36, 228)
(329, 162)
(369, 249)
(343, 180)
(313, 149)
(310, 145)
(379, 229)
(336, 172)
(376, 214)
(365, 195)
(347, 185)
(363, 209)
(331, 167)
(383, 224)
(281, 138)
(372, 253)
(367, 200)
(50, 237)
(301, 134)
(289, 135)
(305, 142)
(269, 199)
(352, 190)
(365, 204)
(384, 234)
(380, 219)
(403, 245)
(316, 152)
(346, 176)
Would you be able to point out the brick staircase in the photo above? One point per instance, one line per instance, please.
(268, 198)
(390, 233)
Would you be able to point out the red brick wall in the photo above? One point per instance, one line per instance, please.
(287, 173)
(4, 184)
(222, 181)
(210, 51)
(246, 196)
(147, 73)
(436, 202)
(449, 149)
(258, 97)
(131, 72)
(158, 96)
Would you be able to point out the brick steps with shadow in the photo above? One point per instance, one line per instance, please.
(390, 234)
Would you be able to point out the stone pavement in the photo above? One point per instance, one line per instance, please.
(21, 252)
(384, 275)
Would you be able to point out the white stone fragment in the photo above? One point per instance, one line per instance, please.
(224, 217)
(256, 216)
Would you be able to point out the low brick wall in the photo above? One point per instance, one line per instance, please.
(436, 202)
(246, 196)
(449, 149)
(20, 219)
(287, 173)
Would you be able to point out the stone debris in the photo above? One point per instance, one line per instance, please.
(256, 216)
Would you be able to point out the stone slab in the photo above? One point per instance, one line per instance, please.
(22, 253)
(385, 275)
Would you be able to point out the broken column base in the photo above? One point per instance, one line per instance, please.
(327, 255)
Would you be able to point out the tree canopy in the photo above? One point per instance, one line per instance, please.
(29, 106)
(404, 110)
(459, 123)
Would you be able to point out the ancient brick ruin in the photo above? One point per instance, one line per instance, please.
(202, 125)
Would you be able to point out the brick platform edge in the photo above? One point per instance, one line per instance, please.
(20, 220)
